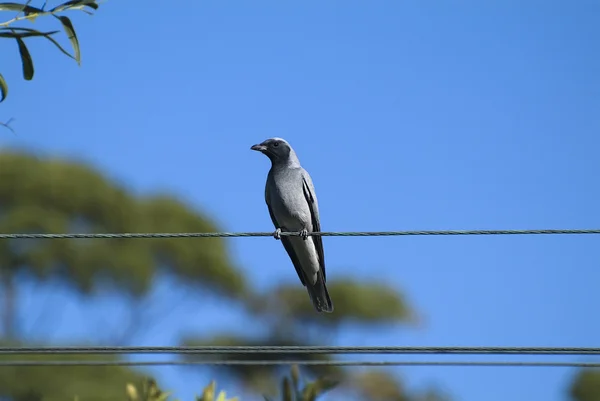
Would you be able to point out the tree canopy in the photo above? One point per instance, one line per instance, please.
(54, 196)
(586, 385)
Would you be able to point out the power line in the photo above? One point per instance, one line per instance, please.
(300, 362)
(304, 350)
(270, 234)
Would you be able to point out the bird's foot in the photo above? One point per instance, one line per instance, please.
(277, 234)
(304, 234)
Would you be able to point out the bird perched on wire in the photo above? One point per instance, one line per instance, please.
(292, 203)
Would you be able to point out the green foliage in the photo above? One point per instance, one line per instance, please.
(54, 196)
(292, 389)
(47, 383)
(43, 195)
(364, 302)
(151, 392)
(586, 386)
(289, 319)
(28, 12)
(209, 394)
(378, 385)
(260, 377)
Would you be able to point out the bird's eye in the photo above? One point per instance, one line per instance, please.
(276, 144)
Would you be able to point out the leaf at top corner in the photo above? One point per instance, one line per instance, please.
(25, 60)
(70, 31)
(18, 31)
(18, 7)
(3, 88)
(74, 4)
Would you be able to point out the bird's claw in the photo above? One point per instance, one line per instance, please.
(304, 234)
(277, 234)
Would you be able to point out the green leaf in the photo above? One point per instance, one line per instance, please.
(286, 390)
(75, 4)
(3, 88)
(51, 39)
(209, 392)
(26, 9)
(295, 373)
(162, 396)
(325, 384)
(309, 393)
(318, 387)
(19, 32)
(26, 60)
(28, 32)
(132, 393)
(70, 31)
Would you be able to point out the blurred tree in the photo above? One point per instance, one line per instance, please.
(586, 385)
(22, 383)
(53, 196)
(288, 318)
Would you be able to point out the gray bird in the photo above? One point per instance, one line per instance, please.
(292, 203)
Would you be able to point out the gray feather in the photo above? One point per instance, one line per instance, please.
(293, 206)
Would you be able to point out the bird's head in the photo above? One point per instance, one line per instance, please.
(276, 149)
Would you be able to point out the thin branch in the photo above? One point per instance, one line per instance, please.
(7, 125)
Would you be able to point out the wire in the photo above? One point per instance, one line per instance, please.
(303, 350)
(270, 234)
(305, 363)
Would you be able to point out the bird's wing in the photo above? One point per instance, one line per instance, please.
(311, 199)
(286, 241)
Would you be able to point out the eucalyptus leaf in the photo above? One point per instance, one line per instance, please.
(25, 60)
(28, 32)
(309, 393)
(3, 88)
(325, 384)
(286, 390)
(209, 392)
(18, 32)
(162, 396)
(75, 4)
(70, 31)
(26, 9)
(51, 39)
(295, 373)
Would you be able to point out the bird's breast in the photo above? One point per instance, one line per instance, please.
(290, 206)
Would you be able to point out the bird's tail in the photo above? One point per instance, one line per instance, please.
(319, 295)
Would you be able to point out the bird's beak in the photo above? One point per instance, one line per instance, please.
(259, 148)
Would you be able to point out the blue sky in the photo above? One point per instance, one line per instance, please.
(408, 115)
